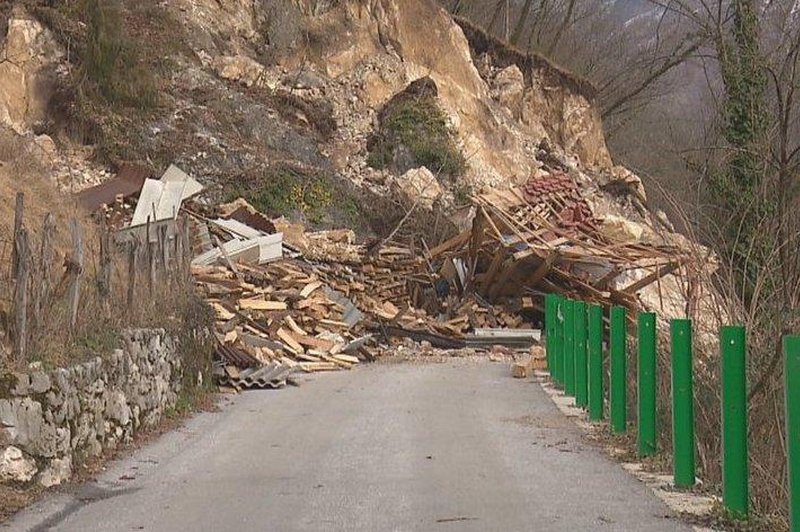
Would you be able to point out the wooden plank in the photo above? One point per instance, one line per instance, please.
(261, 304)
(313, 342)
(309, 289)
(347, 358)
(650, 279)
(289, 340)
(318, 366)
(295, 327)
(454, 242)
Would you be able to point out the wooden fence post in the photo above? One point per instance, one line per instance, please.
(18, 220)
(186, 265)
(42, 286)
(21, 295)
(163, 242)
(77, 272)
(150, 262)
(104, 283)
(132, 272)
(179, 258)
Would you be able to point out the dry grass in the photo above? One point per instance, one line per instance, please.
(102, 313)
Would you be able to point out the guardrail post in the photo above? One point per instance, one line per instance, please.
(647, 384)
(735, 493)
(581, 362)
(595, 385)
(619, 370)
(682, 403)
(791, 353)
(558, 348)
(569, 347)
(550, 309)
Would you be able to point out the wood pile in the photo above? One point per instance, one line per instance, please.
(276, 313)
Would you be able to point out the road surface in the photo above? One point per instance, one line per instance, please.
(457, 446)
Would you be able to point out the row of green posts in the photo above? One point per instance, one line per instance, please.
(574, 344)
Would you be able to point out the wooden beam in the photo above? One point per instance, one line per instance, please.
(454, 242)
(650, 279)
(543, 269)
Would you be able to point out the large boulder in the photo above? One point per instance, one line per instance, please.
(57, 472)
(621, 230)
(418, 186)
(15, 466)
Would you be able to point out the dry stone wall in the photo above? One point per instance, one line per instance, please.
(52, 420)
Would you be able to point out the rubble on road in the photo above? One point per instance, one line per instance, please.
(290, 301)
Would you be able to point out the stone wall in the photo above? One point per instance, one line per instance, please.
(52, 420)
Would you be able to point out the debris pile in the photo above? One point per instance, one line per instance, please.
(288, 301)
(275, 319)
(543, 237)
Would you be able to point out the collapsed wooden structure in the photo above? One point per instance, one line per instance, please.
(543, 237)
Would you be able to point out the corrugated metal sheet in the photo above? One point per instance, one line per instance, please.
(161, 199)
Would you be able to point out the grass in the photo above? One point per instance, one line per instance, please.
(310, 194)
(416, 127)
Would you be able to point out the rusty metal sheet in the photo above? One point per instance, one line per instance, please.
(128, 182)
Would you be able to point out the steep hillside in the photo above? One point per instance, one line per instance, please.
(323, 111)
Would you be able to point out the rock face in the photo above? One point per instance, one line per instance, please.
(240, 68)
(500, 115)
(508, 88)
(26, 69)
(61, 417)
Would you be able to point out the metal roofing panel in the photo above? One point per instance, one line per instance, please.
(128, 182)
(175, 174)
(149, 198)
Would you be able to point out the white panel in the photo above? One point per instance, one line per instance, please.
(149, 198)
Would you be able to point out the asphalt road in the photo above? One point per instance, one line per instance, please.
(434, 447)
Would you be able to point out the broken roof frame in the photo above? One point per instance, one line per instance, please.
(543, 237)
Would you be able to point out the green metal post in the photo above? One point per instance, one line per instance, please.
(647, 384)
(735, 492)
(581, 356)
(682, 403)
(550, 302)
(558, 362)
(619, 370)
(791, 353)
(569, 347)
(595, 385)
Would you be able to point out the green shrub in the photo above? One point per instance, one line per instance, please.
(283, 190)
(418, 127)
(110, 62)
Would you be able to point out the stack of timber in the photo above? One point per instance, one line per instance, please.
(276, 319)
